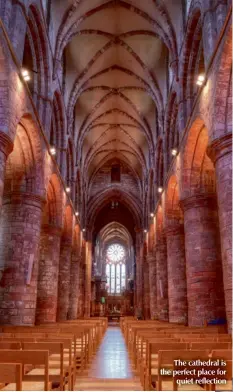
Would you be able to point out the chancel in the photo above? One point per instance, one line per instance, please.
(115, 194)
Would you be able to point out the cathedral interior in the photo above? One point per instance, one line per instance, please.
(115, 172)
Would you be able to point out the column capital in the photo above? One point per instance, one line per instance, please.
(199, 200)
(24, 198)
(6, 144)
(220, 147)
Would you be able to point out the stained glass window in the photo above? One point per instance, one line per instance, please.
(115, 269)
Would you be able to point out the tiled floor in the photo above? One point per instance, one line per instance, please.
(110, 368)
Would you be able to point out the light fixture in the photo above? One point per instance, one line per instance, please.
(200, 79)
(174, 152)
(77, 213)
(68, 189)
(152, 215)
(145, 231)
(25, 75)
(160, 189)
(84, 230)
(53, 151)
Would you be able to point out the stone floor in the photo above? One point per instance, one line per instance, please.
(110, 369)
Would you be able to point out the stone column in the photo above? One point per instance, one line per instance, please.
(74, 286)
(88, 270)
(139, 274)
(64, 279)
(153, 286)
(46, 309)
(220, 151)
(203, 259)
(162, 280)
(6, 147)
(20, 233)
(146, 291)
(81, 290)
(176, 268)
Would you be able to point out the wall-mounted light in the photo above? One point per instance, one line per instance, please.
(76, 213)
(160, 189)
(152, 215)
(53, 151)
(145, 231)
(174, 152)
(200, 80)
(83, 230)
(25, 75)
(68, 189)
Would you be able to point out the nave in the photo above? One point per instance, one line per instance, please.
(89, 355)
(111, 368)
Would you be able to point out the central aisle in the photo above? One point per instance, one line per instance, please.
(110, 368)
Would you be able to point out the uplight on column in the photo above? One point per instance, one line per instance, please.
(174, 152)
(76, 213)
(25, 75)
(160, 189)
(53, 151)
(68, 189)
(152, 215)
(200, 80)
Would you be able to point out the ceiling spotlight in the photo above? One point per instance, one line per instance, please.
(200, 80)
(152, 215)
(53, 151)
(77, 213)
(160, 189)
(68, 189)
(174, 152)
(25, 75)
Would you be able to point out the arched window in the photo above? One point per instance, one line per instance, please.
(115, 269)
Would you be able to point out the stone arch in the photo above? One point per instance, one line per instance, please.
(70, 180)
(172, 208)
(36, 60)
(198, 174)
(103, 198)
(222, 118)
(24, 167)
(171, 128)
(57, 129)
(193, 61)
(68, 223)
(159, 163)
(54, 205)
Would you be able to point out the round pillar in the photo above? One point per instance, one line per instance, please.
(46, 309)
(146, 291)
(162, 280)
(176, 268)
(64, 279)
(220, 151)
(74, 286)
(6, 147)
(203, 259)
(153, 286)
(20, 234)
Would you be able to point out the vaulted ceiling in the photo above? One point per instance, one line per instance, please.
(115, 57)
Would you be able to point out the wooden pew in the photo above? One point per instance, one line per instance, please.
(59, 364)
(11, 373)
(166, 360)
(152, 364)
(26, 357)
